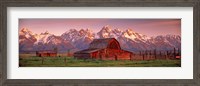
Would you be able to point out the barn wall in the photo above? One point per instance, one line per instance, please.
(114, 54)
(95, 55)
(82, 55)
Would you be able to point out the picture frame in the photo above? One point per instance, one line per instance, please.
(89, 3)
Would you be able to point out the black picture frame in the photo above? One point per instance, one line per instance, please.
(102, 3)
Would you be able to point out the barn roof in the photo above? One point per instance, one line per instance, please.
(87, 51)
(100, 43)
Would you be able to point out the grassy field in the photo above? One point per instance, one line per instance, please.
(71, 62)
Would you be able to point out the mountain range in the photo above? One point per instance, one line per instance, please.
(75, 40)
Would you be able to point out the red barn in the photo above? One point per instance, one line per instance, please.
(46, 53)
(105, 49)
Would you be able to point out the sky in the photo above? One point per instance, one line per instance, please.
(149, 27)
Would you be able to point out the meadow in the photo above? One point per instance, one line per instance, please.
(64, 61)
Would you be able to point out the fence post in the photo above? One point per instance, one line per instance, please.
(42, 60)
(167, 54)
(143, 53)
(179, 52)
(174, 53)
(65, 60)
(150, 52)
(146, 54)
(155, 53)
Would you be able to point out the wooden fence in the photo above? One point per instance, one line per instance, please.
(157, 54)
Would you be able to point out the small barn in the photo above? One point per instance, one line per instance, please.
(46, 53)
(105, 49)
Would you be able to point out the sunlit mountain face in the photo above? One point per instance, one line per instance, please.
(79, 39)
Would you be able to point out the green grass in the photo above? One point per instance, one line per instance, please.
(71, 62)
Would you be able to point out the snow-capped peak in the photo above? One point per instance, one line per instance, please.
(130, 31)
(45, 33)
(82, 31)
(74, 35)
(42, 37)
(26, 31)
(129, 34)
(107, 28)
